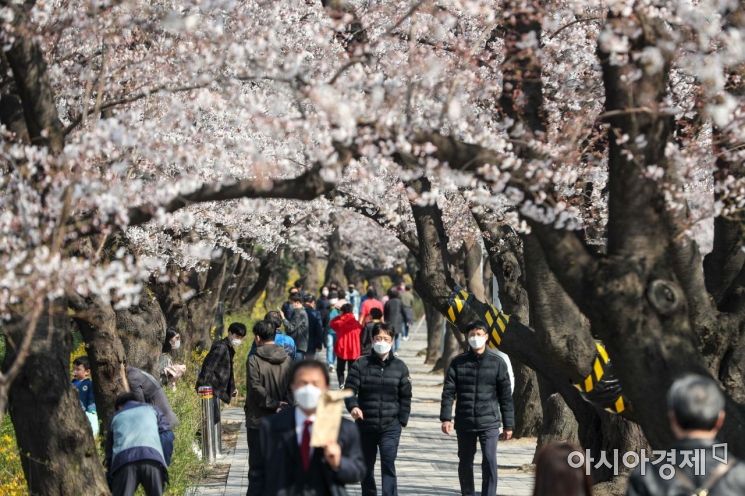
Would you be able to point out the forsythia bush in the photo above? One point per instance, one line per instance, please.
(12, 481)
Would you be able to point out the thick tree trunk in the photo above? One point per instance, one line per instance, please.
(142, 330)
(528, 411)
(58, 454)
(335, 265)
(312, 272)
(96, 321)
(435, 323)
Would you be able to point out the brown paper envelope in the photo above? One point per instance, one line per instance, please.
(328, 418)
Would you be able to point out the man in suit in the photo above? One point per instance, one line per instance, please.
(288, 465)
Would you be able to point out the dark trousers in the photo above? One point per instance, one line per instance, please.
(467, 451)
(254, 451)
(341, 365)
(126, 479)
(387, 442)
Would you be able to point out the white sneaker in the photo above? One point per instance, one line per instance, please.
(406, 338)
(331, 368)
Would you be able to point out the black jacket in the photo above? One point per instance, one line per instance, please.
(382, 390)
(394, 315)
(481, 386)
(316, 331)
(217, 370)
(279, 471)
(324, 308)
(268, 383)
(297, 328)
(652, 484)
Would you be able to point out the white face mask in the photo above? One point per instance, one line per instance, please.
(235, 342)
(307, 397)
(381, 347)
(325, 292)
(176, 344)
(477, 342)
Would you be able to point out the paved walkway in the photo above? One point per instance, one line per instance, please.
(427, 462)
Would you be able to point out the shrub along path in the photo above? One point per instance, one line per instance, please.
(427, 461)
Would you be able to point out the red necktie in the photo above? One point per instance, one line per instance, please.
(305, 444)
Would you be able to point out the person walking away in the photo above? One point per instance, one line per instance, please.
(381, 404)
(267, 374)
(370, 302)
(81, 379)
(555, 477)
(479, 384)
(147, 389)
(316, 333)
(330, 334)
(169, 371)
(297, 325)
(353, 297)
(366, 337)
(394, 315)
(288, 465)
(695, 406)
(407, 298)
(347, 347)
(217, 368)
(134, 449)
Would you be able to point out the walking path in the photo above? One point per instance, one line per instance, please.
(427, 462)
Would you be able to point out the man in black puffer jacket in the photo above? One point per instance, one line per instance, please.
(381, 405)
(479, 381)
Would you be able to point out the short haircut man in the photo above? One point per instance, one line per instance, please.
(237, 329)
(695, 402)
(264, 331)
(376, 313)
(309, 364)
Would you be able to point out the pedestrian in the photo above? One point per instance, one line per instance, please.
(287, 305)
(353, 297)
(81, 379)
(394, 315)
(347, 348)
(555, 477)
(370, 302)
(169, 371)
(479, 384)
(324, 307)
(316, 333)
(148, 389)
(695, 406)
(407, 298)
(288, 465)
(330, 334)
(297, 325)
(267, 374)
(366, 341)
(381, 404)
(134, 448)
(217, 368)
(280, 339)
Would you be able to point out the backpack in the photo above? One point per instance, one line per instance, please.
(716, 475)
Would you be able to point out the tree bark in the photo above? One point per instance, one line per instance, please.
(526, 396)
(435, 323)
(58, 454)
(142, 330)
(335, 265)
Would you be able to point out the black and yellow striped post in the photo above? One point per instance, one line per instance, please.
(456, 304)
(495, 319)
(601, 387)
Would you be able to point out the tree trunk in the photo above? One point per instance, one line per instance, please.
(335, 266)
(527, 399)
(142, 330)
(58, 454)
(313, 271)
(435, 322)
(451, 349)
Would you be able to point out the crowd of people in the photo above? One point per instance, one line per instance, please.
(361, 335)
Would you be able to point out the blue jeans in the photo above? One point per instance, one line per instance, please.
(387, 442)
(467, 451)
(396, 343)
(330, 358)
